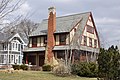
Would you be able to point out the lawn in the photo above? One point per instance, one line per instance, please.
(37, 75)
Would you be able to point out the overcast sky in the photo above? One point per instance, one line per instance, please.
(106, 14)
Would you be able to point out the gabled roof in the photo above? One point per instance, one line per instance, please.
(63, 24)
(17, 35)
(5, 37)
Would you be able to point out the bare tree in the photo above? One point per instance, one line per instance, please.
(9, 6)
(26, 26)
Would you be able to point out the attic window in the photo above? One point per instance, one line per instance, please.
(85, 40)
(90, 42)
(90, 19)
(90, 29)
(74, 29)
(95, 43)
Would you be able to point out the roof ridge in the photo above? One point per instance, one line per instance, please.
(69, 15)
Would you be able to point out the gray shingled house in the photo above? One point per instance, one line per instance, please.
(11, 46)
(57, 36)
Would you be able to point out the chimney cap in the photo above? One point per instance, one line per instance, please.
(51, 8)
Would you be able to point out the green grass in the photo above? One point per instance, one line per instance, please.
(37, 75)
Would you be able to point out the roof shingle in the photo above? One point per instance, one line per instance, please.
(63, 24)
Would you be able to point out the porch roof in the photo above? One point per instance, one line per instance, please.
(62, 47)
(85, 48)
(34, 49)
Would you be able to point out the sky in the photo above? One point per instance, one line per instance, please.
(106, 14)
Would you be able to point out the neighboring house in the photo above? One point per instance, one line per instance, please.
(72, 34)
(11, 46)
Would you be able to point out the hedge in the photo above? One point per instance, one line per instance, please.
(17, 67)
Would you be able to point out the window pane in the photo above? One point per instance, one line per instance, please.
(90, 42)
(34, 42)
(90, 29)
(32, 59)
(61, 54)
(95, 43)
(85, 40)
(45, 40)
(62, 39)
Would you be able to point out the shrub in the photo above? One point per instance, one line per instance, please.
(84, 69)
(61, 70)
(46, 68)
(16, 67)
(24, 67)
(94, 69)
(35, 68)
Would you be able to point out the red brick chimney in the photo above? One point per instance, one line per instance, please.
(51, 30)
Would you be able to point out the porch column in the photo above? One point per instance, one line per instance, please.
(91, 56)
(37, 59)
(86, 56)
(8, 55)
(73, 58)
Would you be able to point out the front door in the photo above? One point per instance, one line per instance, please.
(41, 60)
(32, 59)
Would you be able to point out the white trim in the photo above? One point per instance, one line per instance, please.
(17, 35)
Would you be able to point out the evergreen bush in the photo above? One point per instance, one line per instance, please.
(16, 67)
(84, 69)
(24, 67)
(46, 67)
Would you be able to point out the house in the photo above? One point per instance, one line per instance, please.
(11, 46)
(74, 34)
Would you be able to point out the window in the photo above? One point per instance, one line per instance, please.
(39, 41)
(95, 43)
(45, 40)
(13, 46)
(85, 40)
(60, 54)
(32, 59)
(76, 55)
(1, 59)
(90, 29)
(34, 42)
(84, 54)
(90, 42)
(74, 29)
(12, 59)
(5, 46)
(62, 39)
(55, 39)
(19, 47)
(16, 45)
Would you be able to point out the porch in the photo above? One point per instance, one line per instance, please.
(34, 58)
